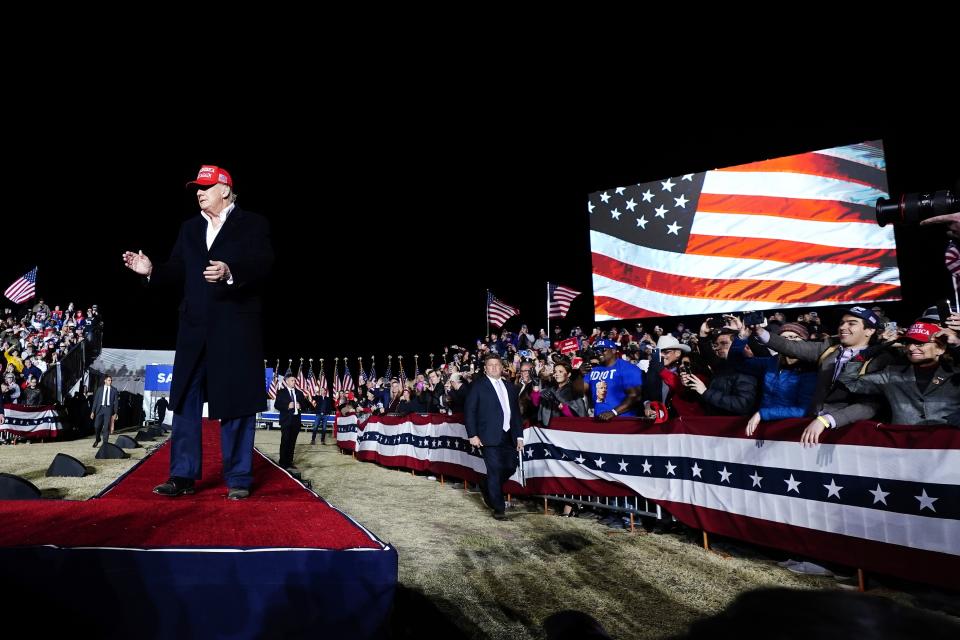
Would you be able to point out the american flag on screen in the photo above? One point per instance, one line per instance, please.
(796, 231)
(499, 312)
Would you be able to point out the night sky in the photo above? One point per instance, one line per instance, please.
(388, 231)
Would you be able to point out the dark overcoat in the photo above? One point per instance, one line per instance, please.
(220, 321)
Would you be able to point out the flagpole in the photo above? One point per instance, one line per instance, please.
(548, 309)
(485, 335)
(956, 297)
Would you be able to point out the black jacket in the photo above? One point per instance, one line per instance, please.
(217, 319)
(484, 415)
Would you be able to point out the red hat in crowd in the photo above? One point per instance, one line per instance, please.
(210, 174)
(922, 332)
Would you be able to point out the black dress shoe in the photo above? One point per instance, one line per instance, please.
(174, 487)
(96, 442)
(500, 515)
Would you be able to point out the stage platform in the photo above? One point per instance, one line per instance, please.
(283, 563)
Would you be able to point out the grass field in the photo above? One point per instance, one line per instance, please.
(464, 574)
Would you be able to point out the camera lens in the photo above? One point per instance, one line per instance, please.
(914, 207)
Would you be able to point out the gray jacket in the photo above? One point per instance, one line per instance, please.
(909, 405)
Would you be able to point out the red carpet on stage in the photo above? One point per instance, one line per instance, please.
(282, 563)
(280, 512)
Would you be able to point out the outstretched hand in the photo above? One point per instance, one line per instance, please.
(137, 262)
(950, 219)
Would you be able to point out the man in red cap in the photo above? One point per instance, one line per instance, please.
(221, 260)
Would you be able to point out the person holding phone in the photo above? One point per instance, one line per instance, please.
(730, 392)
(838, 361)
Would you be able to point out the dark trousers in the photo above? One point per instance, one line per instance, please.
(501, 461)
(288, 440)
(186, 441)
(320, 424)
(101, 423)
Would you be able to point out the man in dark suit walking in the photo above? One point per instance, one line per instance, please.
(104, 410)
(161, 408)
(221, 259)
(290, 402)
(493, 422)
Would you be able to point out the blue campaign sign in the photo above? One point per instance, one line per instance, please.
(268, 372)
(158, 377)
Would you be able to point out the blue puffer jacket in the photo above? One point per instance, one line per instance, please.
(786, 392)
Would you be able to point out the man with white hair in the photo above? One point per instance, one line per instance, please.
(221, 260)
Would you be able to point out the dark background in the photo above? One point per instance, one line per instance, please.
(388, 230)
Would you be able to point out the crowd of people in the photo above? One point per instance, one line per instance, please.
(864, 367)
(34, 340)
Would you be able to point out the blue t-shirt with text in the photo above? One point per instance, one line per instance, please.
(608, 385)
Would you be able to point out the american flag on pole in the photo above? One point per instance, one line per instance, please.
(347, 379)
(301, 379)
(372, 376)
(337, 388)
(361, 375)
(952, 259)
(796, 231)
(388, 375)
(403, 373)
(560, 299)
(499, 312)
(23, 288)
(275, 383)
(323, 381)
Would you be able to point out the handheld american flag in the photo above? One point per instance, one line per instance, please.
(796, 231)
(23, 288)
(559, 300)
(499, 312)
(952, 259)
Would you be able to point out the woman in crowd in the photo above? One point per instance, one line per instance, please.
(926, 390)
(567, 399)
(787, 384)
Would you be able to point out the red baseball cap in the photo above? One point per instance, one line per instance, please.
(922, 332)
(210, 174)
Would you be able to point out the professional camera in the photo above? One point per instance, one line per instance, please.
(914, 207)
